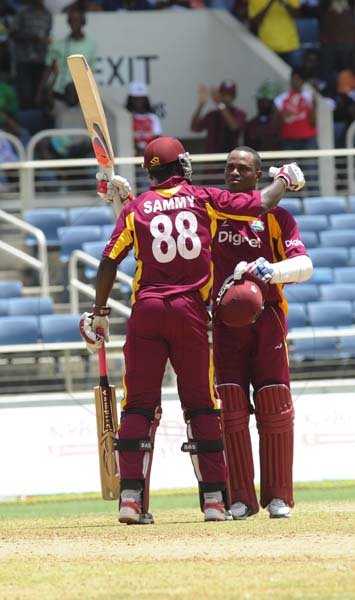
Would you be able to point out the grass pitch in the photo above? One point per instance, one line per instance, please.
(72, 548)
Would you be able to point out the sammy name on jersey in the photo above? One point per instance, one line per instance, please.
(160, 205)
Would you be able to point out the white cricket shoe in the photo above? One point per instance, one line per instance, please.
(131, 513)
(215, 511)
(278, 509)
(240, 511)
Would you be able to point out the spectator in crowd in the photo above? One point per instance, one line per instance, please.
(145, 123)
(8, 112)
(56, 7)
(263, 131)
(5, 60)
(256, 355)
(56, 73)
(297, 109)
(346, 78)
(337, 38)
(273, 22)
(225, 124)
(30, 31)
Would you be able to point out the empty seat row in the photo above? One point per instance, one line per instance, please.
(49, 220)
(335, 256)
(45, 329)
(319, 205)
(311, 292)
(26, 305)
(321, 348)
(326, 313)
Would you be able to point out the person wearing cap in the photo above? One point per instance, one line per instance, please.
(145, 123)
(254, 353)
(263, 131)
(225, 123)
(170, 227)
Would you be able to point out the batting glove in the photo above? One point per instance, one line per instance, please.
(94, 327)
(240, 270)
(291, 174)
(262, 269)
(118, 188)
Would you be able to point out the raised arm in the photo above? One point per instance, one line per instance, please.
(288, 177)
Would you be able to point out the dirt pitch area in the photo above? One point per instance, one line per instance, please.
(90, 556)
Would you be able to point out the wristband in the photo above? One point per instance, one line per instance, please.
(101, 311)
(221, 106)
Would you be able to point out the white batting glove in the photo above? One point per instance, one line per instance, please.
(94, 328)
(262, 269)
(240, 270)
(291, 174)
(118, 188)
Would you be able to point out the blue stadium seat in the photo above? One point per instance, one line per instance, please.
(340, 237)
(73, 237)
(60, 328)
(352, 204)
(351, 262)
(344, 275)
(34, 305)
(293, 205)
(297, 316)
(314, 348)
(308, 32)
(48, 220)
(302, 292)
(94, 249)
(322, 275)
(338, 291)
(4, 306)
(19, 330)
(344, 221)
(347, 346)
(334, 313)
(11, 289)
(106, 231)
(310, 239)
(324, 205)
(329, 257)
(91, 215)
(312, 223)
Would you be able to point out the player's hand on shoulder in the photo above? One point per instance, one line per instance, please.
(94, 327)
(118, 188)
(261, 268)
(203, 93)
(291, 174)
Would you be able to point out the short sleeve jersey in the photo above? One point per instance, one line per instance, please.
(275, 236)
(171, 230)
(60, 49)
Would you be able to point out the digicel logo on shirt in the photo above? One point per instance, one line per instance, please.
(237, 239)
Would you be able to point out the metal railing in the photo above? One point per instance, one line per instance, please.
(39, 264)
(76, 286)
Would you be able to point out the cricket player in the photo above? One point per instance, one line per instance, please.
(171, 227)
(256, 355)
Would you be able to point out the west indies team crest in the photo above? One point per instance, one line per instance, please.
(257, 226)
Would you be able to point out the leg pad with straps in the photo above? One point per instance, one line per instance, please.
(135, 455)
(274, 414)
(235, 418)
(205, 445)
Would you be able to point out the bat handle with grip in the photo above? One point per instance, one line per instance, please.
(102, 357)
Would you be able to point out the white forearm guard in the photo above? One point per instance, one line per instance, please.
(292, 270)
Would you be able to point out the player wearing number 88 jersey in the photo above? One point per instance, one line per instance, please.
(171, 227)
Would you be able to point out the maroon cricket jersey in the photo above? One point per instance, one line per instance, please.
(275, 236)
(171, 228)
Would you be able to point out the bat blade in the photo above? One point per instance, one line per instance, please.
(107, 423)
(93, 111)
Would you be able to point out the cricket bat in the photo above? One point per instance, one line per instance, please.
(94, 115)
(107, 424)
